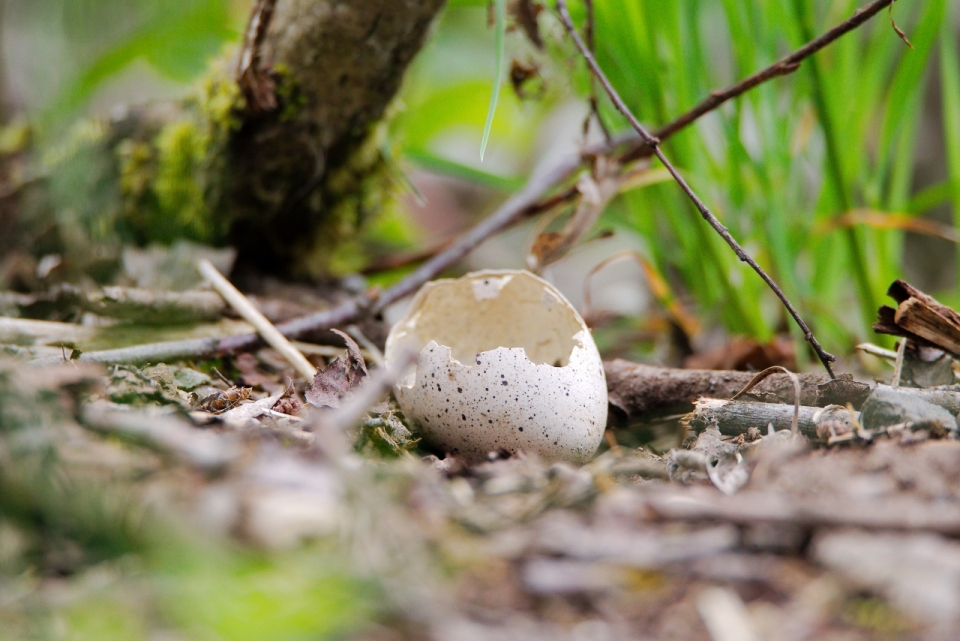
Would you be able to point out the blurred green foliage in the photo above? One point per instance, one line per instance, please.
(176, 38)
(786, 167)
(124, 569)
(782, 162)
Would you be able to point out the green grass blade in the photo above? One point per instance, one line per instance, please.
(836, 174)
(446, 167)
(500, 28)
(950, 83)
(925, 200)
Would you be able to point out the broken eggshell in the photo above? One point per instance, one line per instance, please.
(505, 364)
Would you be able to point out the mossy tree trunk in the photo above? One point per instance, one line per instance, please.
(309, 168)
(282, 158)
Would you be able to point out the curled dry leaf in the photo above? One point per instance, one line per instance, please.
(596, 190)
(338, 378)
(222, 401)
(288, 403)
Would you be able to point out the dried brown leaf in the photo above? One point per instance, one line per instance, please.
(222, 401)
(338, 378)
(526, 12)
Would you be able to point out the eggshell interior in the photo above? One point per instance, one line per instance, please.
(505, 363)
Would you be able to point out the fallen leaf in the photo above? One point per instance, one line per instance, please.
(338, 378)
(224, 400)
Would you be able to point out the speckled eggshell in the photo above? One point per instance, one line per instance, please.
(505, 363)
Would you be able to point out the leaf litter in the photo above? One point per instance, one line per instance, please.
(764, 534)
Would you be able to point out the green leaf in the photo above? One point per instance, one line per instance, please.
(176, 38)
(500, 27)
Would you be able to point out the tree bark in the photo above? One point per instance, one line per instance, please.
(305, 169)
(285, 173)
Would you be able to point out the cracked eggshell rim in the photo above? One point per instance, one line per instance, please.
(504, 363)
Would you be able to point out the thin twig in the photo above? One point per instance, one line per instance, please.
(654, 143)
(898, 364)
(888, 355)
(589, 32)
(252, 315)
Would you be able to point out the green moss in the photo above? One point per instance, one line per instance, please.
(358, 193)
(877, 616)
(165, 179)
(289, 97)
(80, 138)
(15, 137)
(182, 149)
(172, 185)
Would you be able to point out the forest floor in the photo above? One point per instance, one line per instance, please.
(207, 499)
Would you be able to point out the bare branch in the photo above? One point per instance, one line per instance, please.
(712, 220)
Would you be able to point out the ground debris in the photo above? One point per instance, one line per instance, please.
(919, 317)
(338, 378)
(385, 435)
(224, 400)
(810, 543)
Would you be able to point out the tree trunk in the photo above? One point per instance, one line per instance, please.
(283, 159)
(298, 180)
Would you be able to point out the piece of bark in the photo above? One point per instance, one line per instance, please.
(947, 397)
(737, 417)
(638, 389)
(920, 317)
(841, 391)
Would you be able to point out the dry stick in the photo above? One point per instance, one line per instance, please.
(529, 201)
(825, 357)
(640, 390)
(737, 417)
(252, 315)
(898, 364)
